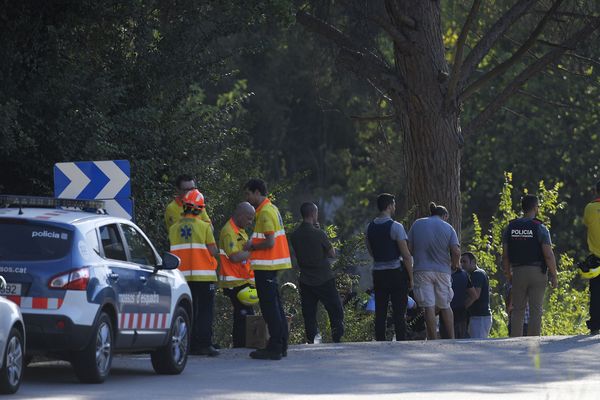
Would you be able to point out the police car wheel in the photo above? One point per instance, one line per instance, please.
(172, 358)
(11, 373)
(92, 364)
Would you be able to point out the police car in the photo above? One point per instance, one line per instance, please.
(12, 344)
(92, 285)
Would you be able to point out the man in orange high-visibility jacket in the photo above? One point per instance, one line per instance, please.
(591, 220)
(174, 210)
(235, 273)
(269, 254)
(193, 242)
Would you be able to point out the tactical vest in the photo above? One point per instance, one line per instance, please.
(524, 247)
(383, 247)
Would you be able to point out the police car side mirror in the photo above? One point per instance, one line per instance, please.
(169, 261)
(2, 282)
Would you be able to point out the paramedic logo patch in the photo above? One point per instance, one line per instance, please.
(186, 232)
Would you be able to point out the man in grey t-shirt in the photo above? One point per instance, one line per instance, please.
(434, 245)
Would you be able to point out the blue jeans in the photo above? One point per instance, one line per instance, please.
(479, 327)
(272, 309)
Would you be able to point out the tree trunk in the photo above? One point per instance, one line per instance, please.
(430, 130)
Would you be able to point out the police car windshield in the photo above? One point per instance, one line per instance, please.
(32, 242)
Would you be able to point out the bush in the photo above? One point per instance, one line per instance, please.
(565, 308)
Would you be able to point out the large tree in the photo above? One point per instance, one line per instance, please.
(401, 49)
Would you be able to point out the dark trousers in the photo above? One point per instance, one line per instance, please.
(203, 299)
(461, 323)
(239, 316)
(594, 322)
(390, 285)
(272, 309)
(328, 295)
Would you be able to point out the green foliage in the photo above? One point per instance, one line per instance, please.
(565, 308)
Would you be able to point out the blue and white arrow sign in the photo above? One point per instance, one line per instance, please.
(99, 180)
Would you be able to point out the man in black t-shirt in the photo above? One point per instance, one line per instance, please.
(317, 281)
(478, 302)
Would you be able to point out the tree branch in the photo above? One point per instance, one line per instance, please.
(458, 54)
(530, 71)
(397, 36)
(399, 16)
(358, 60)
(568, 14)
(491, 37)
(583, 58)
(518, 55)
(569, 54)
(382, 80)
(370, 118)
(545, 101)
(330, 32)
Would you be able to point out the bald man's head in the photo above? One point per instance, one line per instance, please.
(244, 214)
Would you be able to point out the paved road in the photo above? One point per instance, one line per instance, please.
(527, 368)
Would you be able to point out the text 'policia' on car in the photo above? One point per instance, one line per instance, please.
(90, 285)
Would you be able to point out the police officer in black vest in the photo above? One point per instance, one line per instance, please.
(392, 267)
(528, 262)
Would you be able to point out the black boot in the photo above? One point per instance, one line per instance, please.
(266, 354)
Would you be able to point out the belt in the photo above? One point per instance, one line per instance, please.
(531, 264)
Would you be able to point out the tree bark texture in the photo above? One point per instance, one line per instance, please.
(431, 133)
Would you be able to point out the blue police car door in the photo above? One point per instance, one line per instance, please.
(155, 295)
(123, 278)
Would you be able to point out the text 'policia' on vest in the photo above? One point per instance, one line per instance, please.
(524, 247)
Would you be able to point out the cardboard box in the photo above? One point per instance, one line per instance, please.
(256, 332)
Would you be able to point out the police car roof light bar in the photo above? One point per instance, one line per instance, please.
(51, 202)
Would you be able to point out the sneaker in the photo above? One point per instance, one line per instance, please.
(265, 354)
(205, 351)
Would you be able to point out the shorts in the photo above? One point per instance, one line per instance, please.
(432, 288)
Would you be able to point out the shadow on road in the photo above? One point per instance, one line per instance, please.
(500, 366)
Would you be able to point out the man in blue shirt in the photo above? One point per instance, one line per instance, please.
(392, 267)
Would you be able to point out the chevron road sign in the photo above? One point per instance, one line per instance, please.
(99, 180)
